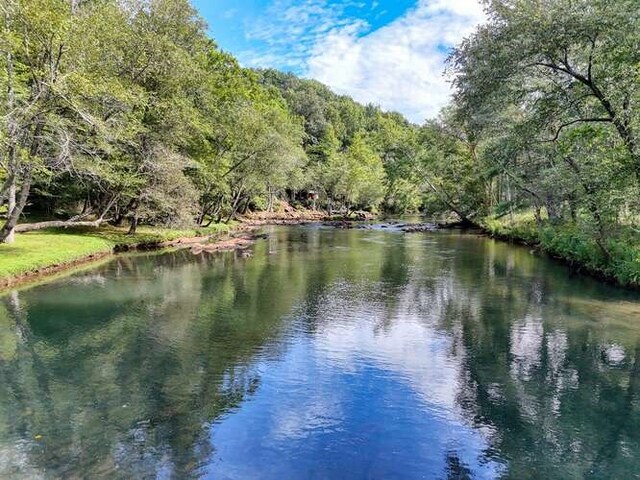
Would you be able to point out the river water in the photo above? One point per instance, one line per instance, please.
(327, 354)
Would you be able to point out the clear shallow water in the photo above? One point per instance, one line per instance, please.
(328, 354)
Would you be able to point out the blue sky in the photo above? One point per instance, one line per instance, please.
(387, 52)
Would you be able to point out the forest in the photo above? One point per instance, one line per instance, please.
(125, 112)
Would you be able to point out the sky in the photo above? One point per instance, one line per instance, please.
(387, 52)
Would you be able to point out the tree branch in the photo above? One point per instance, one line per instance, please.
(578, 120)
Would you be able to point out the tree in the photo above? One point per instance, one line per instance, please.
(359, 176)
(452, 172)
(65, 105)
(570, 62)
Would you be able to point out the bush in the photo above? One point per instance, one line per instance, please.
(576, 245)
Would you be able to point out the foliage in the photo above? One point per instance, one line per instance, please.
(128, 111)
(548, 93)
(121, 111)
(355, 153)
(576, 245)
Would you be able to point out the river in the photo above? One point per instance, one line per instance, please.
(326, 354)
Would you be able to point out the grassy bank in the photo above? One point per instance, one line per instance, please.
(48, 251)
(575, 244)
(38, 251)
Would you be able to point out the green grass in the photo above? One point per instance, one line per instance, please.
(48, 248)
(520, 226)
(36, 250)
(145, 235)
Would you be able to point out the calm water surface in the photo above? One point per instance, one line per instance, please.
(327, 354)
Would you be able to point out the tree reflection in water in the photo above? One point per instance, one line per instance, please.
(379, 353)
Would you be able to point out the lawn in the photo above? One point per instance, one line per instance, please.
(32, 251)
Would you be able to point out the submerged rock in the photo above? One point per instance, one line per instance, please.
(240, 243)
(420, 227)
(340, 224)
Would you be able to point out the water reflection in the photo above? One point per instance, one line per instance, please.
(328, 354)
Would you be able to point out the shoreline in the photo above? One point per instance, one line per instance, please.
(241, 236)
(213, 242)
(574, 265)
(45, 271)
(537, 246)
(235, 237)
(51, 270)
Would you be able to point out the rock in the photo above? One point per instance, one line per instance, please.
(339, 224)
(420, 227)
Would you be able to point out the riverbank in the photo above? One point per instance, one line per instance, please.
(576, 247)
(37, 254)
(288, 215)
(41, 253)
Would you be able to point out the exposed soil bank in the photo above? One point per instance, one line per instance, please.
(290, 216)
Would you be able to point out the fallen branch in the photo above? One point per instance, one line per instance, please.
(29, 227)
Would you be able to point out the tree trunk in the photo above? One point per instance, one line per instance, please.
(593, 207)
(134, 225)
(236, 203)
(446, 199)
(552, 211)
(119, 218)
(245, 206)
(538, 216)
(7, 235)
(203, 213)
(73, 222)
(270, 200)
(215, 213)
(122, 212)
(16, 211)
(85, 205)
(11, 204)
(234, 209)
(30, 227)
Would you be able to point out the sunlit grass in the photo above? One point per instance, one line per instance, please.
(32, 251)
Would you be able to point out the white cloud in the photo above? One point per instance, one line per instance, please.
(400, 66)
(228, 14)
(290, 30)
